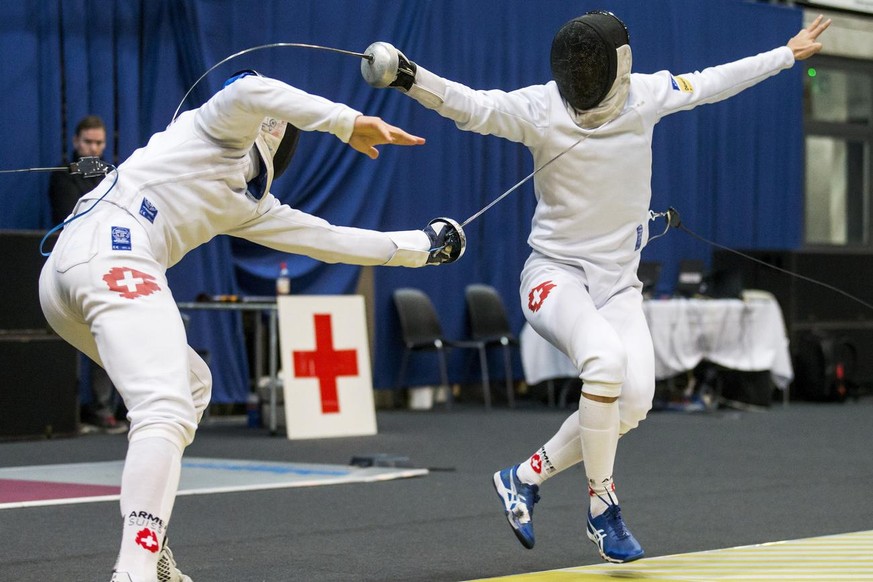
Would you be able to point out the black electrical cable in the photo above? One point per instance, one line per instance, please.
(774, 267)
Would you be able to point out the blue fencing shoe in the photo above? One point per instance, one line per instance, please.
(518, 501)
(612, 538)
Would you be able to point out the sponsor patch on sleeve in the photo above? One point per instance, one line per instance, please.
(148, 210)
(120, 238)
(681, 84)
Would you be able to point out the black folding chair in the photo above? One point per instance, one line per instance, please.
(489, 327)
(422, 331)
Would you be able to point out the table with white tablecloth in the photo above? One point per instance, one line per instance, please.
(746, 335)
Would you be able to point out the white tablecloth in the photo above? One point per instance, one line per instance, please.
(747, 335)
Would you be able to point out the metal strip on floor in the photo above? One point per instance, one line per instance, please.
(90, 482)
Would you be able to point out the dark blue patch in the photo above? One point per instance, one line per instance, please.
(639, 237)
(240, 75)
(148, 210)
(674, 83)
(257, 186)
(120, 238)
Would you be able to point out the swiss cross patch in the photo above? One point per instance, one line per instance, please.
(147, 539)
(130, 283)
(538, 294)
(536, 463)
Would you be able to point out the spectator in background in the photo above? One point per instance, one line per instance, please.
(98, 400)
(65, 188)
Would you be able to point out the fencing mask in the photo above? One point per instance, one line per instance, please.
(281, 139)
(584, 58)
(277, 140)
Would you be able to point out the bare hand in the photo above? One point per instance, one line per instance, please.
(372, 131)
(804, 44)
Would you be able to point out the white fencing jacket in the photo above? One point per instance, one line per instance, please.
(593, 201)
(188, 184)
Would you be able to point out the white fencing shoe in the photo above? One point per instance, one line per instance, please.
(167, 570)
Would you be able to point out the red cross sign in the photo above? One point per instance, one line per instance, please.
(326, 377)
(325, 363)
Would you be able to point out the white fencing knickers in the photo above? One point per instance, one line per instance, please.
(609, 342)
(103, 292)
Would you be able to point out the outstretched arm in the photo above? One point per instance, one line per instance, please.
(805, 43)
(372, 131)
(290, 230)
(519, 115)
(682, 92)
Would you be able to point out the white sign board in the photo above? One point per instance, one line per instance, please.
(857, 5)
(328, 384)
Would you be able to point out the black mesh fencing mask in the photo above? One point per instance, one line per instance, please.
(286, 150)
(280, 139)
(584, 60)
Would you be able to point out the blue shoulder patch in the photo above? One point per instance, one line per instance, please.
(148, 210)
(120, 238)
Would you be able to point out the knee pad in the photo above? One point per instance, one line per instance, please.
(180, 434)
(606, 367)
(169, 415)
(633, 411)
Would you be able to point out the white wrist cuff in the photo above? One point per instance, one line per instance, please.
(413, 248)
(344, 125)
(428, 89)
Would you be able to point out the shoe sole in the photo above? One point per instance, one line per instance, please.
(604, 556)
(501, 491)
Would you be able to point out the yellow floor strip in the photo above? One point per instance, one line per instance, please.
(834, 558)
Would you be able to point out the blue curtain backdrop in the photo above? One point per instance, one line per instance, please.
(733, 170)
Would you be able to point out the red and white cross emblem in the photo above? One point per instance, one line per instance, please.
(130, 283)
(538, 294)
(148, 540)
(325, 363)
(536, 463)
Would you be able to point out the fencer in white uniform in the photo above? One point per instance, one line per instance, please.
(104, 287)
(590, 129)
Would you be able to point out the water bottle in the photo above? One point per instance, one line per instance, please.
(283, 281)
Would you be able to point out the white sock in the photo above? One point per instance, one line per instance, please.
(600, 501)
(563, 450)
(599, 426)
(148, 489)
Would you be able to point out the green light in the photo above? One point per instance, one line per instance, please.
(810, 72)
